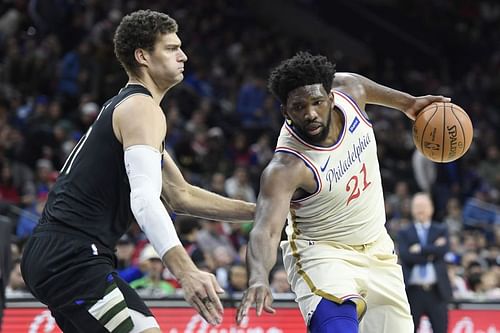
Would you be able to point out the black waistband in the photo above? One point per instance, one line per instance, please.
(48, 228)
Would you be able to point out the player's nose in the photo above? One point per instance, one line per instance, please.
(182, 57)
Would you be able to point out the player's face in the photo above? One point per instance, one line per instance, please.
(309, 109)
(166, 61)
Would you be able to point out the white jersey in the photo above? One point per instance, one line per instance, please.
(348, 204)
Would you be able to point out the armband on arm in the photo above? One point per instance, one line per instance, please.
(143, 166)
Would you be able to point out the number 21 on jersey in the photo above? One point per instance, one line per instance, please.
(353, 185)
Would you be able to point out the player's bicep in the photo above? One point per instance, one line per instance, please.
(277, 186)
(138, 121)
(355, 86)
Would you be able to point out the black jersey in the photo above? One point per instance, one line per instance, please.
(92, 193)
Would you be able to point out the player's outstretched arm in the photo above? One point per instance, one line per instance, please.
(184, 198)
(366, 91)
(279, 181)
(141, 139)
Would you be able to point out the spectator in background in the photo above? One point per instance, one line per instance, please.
(75, 72)
(261, 151)
(239, 151)
(215, 159)
(222, 258)
(250, 103)
(279, 281)
(238, 186)
(212, 235)
(217, 183)
(8, 191)
(422, 248)
(5, 261)
(23, 178)
(424, 171)
(453, 217)
(399, 199)
(152, 284)
(480, 214)
(490, 285)
(16, 287)
(488, 168)
(455, 274)
(45, 175)
(29, 216)
(237, 279)
(188, 228)
(125, 266)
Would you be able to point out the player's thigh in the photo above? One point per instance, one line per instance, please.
(142, 318)
(388, 308)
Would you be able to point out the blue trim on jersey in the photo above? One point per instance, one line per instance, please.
(356, 106)
(333, 317)
(311, 167)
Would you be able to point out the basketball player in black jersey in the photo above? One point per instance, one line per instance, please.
(116, 172)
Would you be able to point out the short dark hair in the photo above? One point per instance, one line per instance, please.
(140, 30)
(303, 69)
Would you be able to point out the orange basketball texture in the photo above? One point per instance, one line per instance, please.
(442, 132)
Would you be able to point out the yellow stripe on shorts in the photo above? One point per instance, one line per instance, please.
(359, 301)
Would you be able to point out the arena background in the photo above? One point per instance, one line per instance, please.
(57, 67)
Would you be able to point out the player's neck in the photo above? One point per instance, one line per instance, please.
(336, 126)
(148, 83)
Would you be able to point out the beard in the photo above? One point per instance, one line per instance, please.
(317, 138)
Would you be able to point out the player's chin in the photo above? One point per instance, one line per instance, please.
(315, 137)
(176, 80)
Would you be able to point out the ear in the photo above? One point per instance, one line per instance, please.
(285, 114)
(331, 95)
(283, 111)
(141, 56)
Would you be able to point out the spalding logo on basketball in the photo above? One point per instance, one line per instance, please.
(442, 132)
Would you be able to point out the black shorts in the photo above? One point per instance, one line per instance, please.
(75, 278)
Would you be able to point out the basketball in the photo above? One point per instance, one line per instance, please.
(442, 132)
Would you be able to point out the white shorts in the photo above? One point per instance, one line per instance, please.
(368, 275)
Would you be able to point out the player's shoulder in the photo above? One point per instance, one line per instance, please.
(285, 172)
(137, 103)
(285, 164)
(137, 106)
(349, 84)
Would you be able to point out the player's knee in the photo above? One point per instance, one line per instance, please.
(330, 317)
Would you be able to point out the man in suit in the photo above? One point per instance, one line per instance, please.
(422, 247)
(5, 261)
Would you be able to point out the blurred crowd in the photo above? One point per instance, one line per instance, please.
(57, 68)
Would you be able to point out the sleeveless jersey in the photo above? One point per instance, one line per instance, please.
(348, 204)
(92, 193)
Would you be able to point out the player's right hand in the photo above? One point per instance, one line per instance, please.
(259, 294)
(200, 290)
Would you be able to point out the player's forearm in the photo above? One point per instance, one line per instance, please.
(382, 95)
(198, 202)
(261, 255)
(178, 262)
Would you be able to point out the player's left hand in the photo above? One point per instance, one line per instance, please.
(200, 290)
(261, 295)
(421, 102)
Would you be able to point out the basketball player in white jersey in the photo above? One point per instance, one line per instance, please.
(339, 258)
